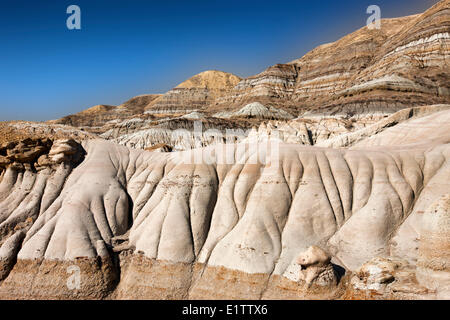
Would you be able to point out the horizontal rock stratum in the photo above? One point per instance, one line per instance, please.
(185, 224)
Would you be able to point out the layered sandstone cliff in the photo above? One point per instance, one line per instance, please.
(196, 93)
(403, 64)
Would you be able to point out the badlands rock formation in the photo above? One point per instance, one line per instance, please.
(195, 93)
(95, 117)
(142, 224)
(369, 71)
(334, 183)
(359, 79)
(180, 133)
(258, 111)
(11, 131)
(317, 267)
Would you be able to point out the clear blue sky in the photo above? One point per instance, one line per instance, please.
(132, 47)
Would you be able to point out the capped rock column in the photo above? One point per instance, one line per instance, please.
(433, 265)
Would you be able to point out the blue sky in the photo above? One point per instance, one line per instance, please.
(132, 47)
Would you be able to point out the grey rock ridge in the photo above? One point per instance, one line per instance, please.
(143, 224)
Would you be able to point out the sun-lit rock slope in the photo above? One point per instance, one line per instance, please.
(95, 117)
(196, 93)
(403, 64)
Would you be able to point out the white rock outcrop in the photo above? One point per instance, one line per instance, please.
(215, 205)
